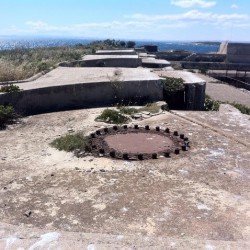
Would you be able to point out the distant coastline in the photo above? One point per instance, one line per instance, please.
(8, 43)
(208, 43)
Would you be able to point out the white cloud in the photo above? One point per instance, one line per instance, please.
(193, 3)
(194, 16)
(141, 23)
(41, 27)
(234, 6)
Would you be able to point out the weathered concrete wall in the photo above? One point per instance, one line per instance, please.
(49, 99)
(238, 52)
(172, 56)
(216, 66)
(192, 57)
(116, 52)
(205, 58)
(195, 96)
(114, 62)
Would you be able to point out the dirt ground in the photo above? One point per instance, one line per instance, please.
(199, 199)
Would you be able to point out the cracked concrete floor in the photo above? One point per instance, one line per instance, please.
(196, 200)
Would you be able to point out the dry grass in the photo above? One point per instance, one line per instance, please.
(19, 64)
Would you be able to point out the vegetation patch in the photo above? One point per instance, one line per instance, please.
(150, 107)
(211, 105)
(242, 108)
(171, 84)
(127, 110)
(112, 116)
(7, 115)
(9, 88)
(22, 63)
(72, 142)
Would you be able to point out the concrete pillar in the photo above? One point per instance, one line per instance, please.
(200, 96)
(190, 96)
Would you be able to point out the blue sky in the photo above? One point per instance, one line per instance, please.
(128, 19)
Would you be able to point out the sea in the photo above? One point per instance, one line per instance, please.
(195, 47)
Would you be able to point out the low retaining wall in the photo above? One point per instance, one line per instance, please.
(114, 62)
(109, 62)
(205, 58)
(172, 56)
(87, 95)
(215, 66)
(232, 81)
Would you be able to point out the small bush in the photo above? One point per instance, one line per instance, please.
(191, 70)
(127, 110)
(7, 115)
(171, 84)
(242, 108)
(203, 69)
(72, 142)
(43, 66)
(131, 44)
(150, 107)
(9, 88)
(177, 66)
(211, 105)
(112, 116)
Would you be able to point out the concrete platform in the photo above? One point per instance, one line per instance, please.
(116, 52)
(188, 77)
(70, 76)
(196, 200)
(104, 57)
(146, 55)
(151, 62)
(113, 60)
(73, 88)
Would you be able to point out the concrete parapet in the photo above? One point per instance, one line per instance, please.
(127, 61)
(72, 88)
(216, 66)
(116, 52)
(172, 56)
(195, 88)
(206, 58)
(86, 95)
(151, 62)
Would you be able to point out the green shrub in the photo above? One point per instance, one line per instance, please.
(43, 66)
(131, 44)
(127, 110)
(171, 84)
(7, 115)
(113, 117)
(9, 88)
(211, 105)
(150, 107)
(203, 69)
(242, 108)
(71, 142)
